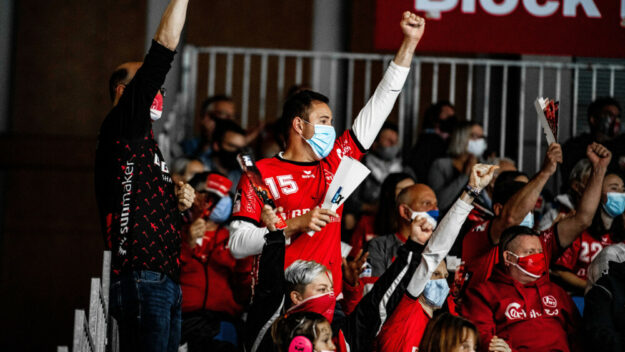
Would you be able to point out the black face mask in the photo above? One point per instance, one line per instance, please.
(448, 125)
(228, 159)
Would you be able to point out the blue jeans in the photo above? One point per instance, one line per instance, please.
(146, 305)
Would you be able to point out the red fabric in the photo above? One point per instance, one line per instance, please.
(539, 316)
(480, 256)
(352, 295)
(210, 277)
(582, 251)
(363, 233)
(298, 188)
(404, 329)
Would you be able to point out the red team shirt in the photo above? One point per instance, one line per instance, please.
(481, 255)
(298, 187)
(582, 251)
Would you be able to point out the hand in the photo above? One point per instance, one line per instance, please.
(317, 219)
(481, 175)
(412, 26)
(553, 157)
(353, 268)
(421, 230)
(598, 155)
(468, 164)
(185, 194)
(197, 230)
(269, 217)
(498, 345)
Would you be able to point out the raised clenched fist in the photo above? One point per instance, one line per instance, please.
(598, 155)
(481, 175)
(412, 26)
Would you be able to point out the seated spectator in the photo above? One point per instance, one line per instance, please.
(519, 304)
(439, 121)
(604, 121)
(383, 159)
(215, 286)
(384, 220)
(449, 333)
(568, 201)
(184, 169)
(604, 311)
(448, 176)
(405, 327)
(218, 107)
(514, 204)
(228, 141)
(303, 332)
(607, 228)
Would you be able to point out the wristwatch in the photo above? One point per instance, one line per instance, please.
(473, 192)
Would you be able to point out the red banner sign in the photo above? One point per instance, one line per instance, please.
(594, 28)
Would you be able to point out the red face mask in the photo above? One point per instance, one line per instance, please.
(156, 110)
(321, 304)
(533, 265)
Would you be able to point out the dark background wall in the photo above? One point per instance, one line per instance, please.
(50, 243)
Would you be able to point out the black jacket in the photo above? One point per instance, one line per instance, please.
(359, 328)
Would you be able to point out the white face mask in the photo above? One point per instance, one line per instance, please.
(477, 147)
(431, 216)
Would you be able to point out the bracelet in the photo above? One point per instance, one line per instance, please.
(473, 192)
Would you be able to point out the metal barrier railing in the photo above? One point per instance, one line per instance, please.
(497, 93)
(90, 332)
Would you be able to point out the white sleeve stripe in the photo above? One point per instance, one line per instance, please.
(389, 293)
(263, 331)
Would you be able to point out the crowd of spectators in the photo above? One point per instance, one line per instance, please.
(447, 249)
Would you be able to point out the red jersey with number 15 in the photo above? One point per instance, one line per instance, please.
(299, 187)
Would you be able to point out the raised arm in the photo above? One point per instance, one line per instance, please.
(172, 22)
(517, 207)
(371, 118)
(445, 234)
(570, 228)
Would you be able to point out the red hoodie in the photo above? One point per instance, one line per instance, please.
(539, 316)
(211, 279)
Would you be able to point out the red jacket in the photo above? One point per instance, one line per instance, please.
(211, 279)
(404, 329)
(539, 316)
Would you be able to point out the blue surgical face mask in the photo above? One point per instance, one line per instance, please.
(435, 292)
(615, 204)
(322, 141)
(222, 210)
(528, 221)
(431, 216)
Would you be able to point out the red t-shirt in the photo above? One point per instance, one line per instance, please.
(404, 329)
(299, 187)
(582, 251)
(480, 255)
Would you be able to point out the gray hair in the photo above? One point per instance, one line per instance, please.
(581, 171)
(460, 138)
(301, 273)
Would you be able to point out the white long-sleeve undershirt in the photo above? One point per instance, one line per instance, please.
(439, 245)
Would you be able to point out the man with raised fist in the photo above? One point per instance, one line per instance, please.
(139, 204)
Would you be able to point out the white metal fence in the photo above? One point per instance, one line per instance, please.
(91, 331)
(497, 93)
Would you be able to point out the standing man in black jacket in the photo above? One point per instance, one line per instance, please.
(139, 204)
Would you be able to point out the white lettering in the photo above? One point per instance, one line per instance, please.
(506, 7)
(468, 6)
(544, 10)
(126, 196)
(570, 8)
(514, 311)
(435, 5)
